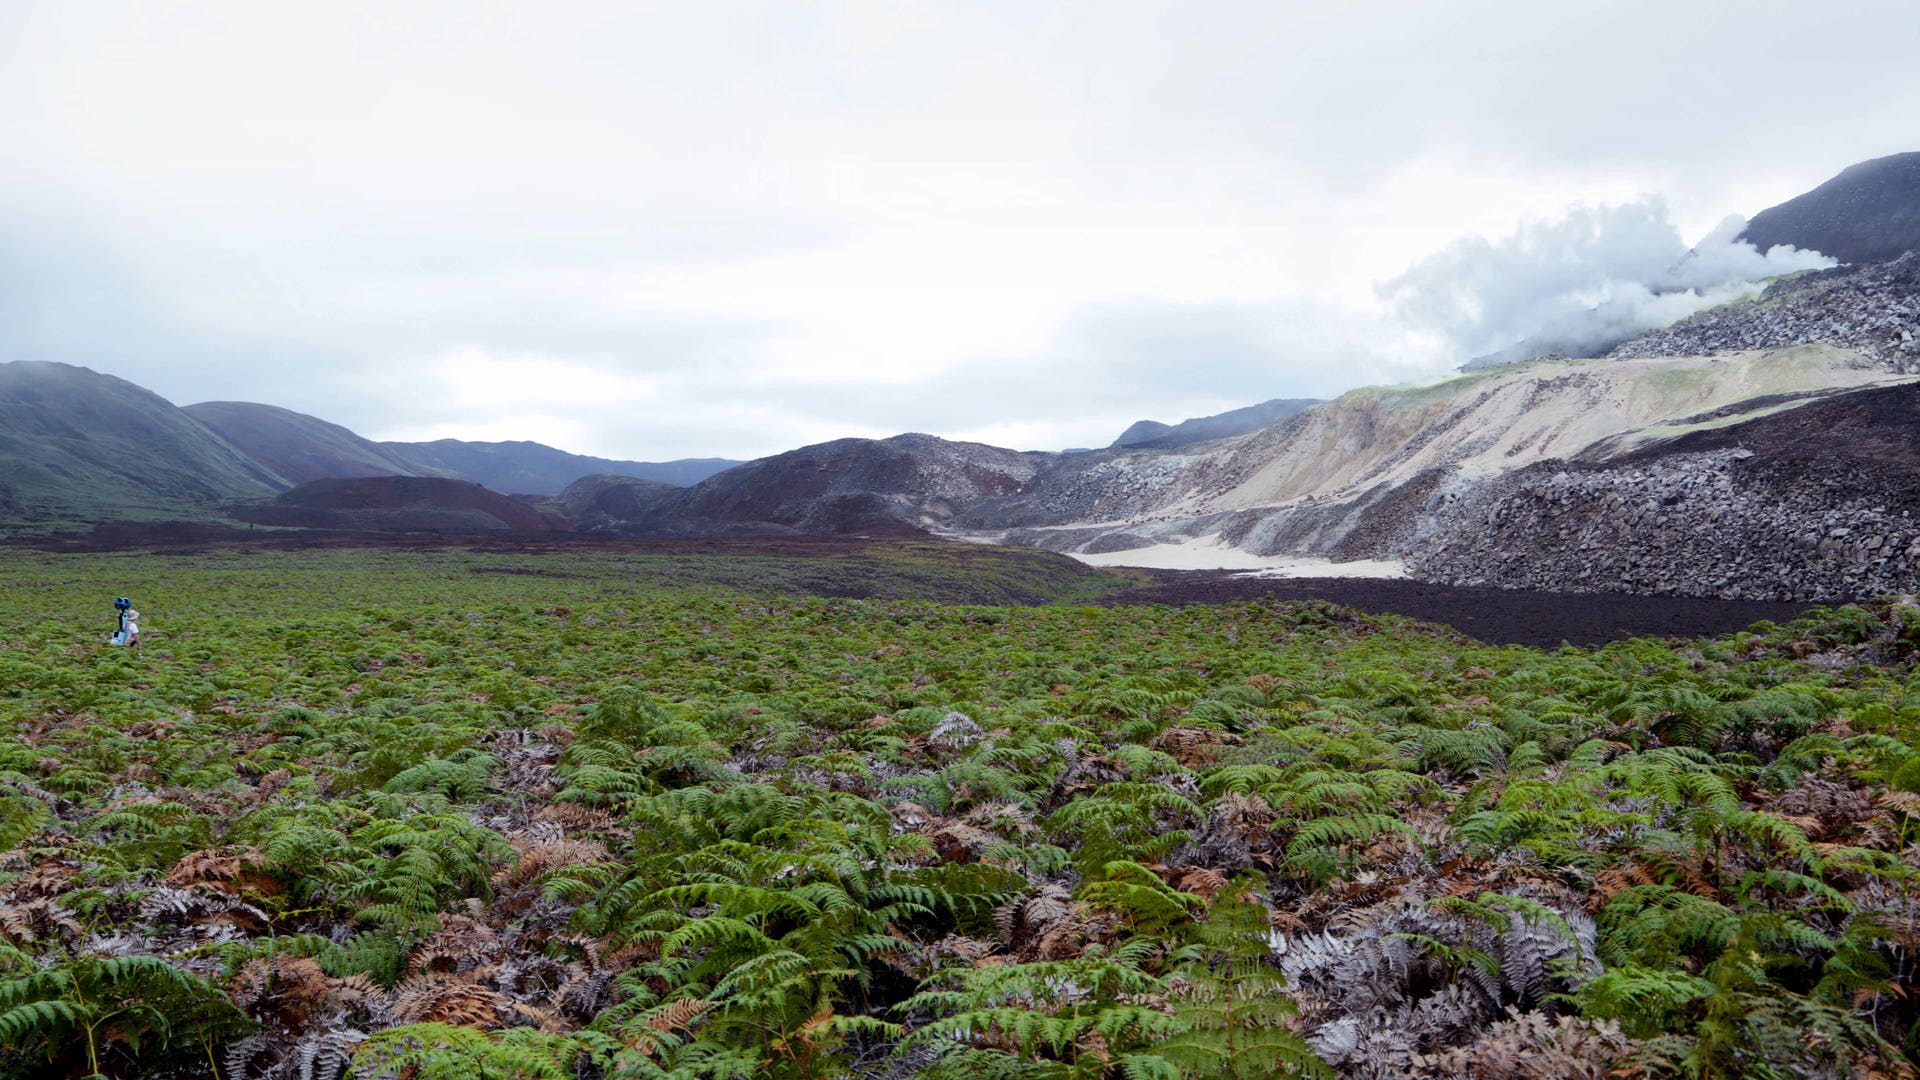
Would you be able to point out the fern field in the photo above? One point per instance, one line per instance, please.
(421, 815)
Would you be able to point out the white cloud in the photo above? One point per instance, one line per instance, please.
(793, 222)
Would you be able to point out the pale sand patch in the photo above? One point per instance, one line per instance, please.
(1205, 555)
(1310, 566)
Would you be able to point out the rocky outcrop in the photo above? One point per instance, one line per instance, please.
(1818, 503)
(1689, 526)
(1087, 490)
(1873, 310)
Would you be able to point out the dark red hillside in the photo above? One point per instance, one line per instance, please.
(399, 504)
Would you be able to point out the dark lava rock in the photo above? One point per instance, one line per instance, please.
(1820, 502)
(1874, 310)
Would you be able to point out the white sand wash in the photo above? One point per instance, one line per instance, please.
(1207, 554)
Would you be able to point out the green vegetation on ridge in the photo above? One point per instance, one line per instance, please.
(422, 814)
(78, 447)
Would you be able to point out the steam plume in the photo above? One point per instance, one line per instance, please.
(1582, 284)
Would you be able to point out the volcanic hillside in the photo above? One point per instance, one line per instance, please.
(1413, 474)
(903, 485)
(1297, 485)
(603, 501)
(1393, 473)
(77, 446)
(1870, 212)
(301, 447)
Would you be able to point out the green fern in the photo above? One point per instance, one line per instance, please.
(141, 1006)
(1075, 1014)
(1144, 902)
(1232, 1009)
(434, 1051)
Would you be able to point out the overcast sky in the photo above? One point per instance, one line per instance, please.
(702, 228)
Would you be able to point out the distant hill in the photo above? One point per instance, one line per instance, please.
(397, 504)
(531, 468)
(1152, 433)
(604, 500)
(78, 446)
(905, 484)
(1870, 212)
(301, 447)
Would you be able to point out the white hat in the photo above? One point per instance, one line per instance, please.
(132, 614)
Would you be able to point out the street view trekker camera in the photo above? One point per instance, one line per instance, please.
(122, 605)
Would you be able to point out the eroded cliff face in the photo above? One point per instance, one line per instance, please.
(1458, 480)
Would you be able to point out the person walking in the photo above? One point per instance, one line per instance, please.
(129, 632)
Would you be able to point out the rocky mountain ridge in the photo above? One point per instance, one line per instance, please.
(1758, 475)
(1352, 451)
(1760, 449)
(1592, 475)
(1581, 476)
(1443, 477)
